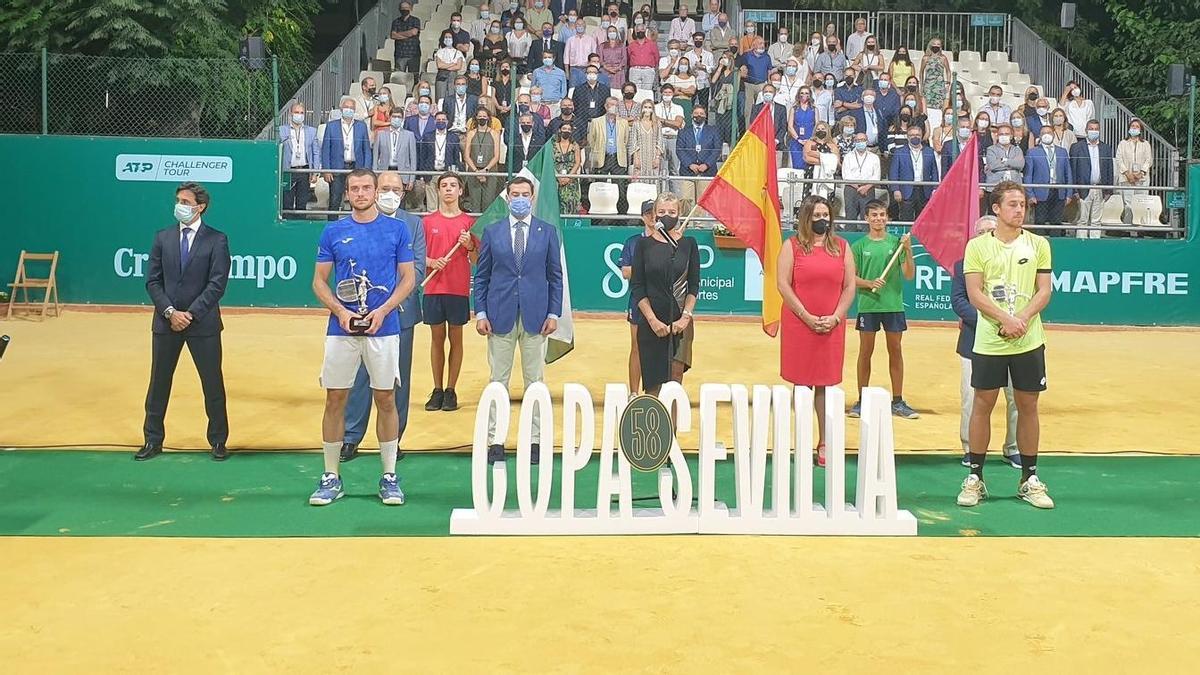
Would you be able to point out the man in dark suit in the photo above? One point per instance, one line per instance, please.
(968, 317)
(388, 197)
(439, 151)
(547, 43)
(459, 106)
(698, 146)
(529, 139)
(1048, 164)
(1091, 164)
(346, 145)
(189, 269)
(780, 114)
(518, 296)
(590, 97)
(914, 163)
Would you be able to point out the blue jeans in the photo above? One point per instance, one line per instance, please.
(358, 406)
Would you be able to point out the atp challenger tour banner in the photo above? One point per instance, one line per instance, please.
(100, 211)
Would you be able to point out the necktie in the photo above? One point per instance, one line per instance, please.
(519, 246)
(185, 248)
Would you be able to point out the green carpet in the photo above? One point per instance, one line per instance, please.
(265, 494)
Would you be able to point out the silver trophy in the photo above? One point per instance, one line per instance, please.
(353, 293)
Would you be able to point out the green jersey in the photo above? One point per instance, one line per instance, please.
(870, 257)
(1010, 279)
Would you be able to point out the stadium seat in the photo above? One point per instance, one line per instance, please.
(379, 79)
(469, 14)
(321, 192)
(967, 57)
(996, 58)
(603, 198)
(1112, 211)
(643, 95)
(406, 79)
(386, 55)
(790, 193)
(1146, 210)
(637, 193)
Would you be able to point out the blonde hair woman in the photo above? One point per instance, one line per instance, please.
(646, 146)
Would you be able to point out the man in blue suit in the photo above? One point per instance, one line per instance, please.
(518, 296)
(346, 145)
(1092, 164)
(300, 151)
(358, 405)
(439, 151)
(870, 120)
(779, 112)
(1048, 164)
(968, 318)
(460, 106)
(421, 125)
(698, 146)
(913, 163)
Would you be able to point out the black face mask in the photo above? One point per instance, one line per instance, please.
(628, 95)
(404, 13)
(831, 48)
(935, 50)
(564, 134)
(820, 227)
(818, 84)
(567, 113)
(698, 120)
(1031, 97)
(639, 34)
(504, 72)
(481, 122)
(911, 87)
(371, 91)
(526, 128)
(669, 223)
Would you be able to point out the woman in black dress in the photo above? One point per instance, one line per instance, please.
(665, 283)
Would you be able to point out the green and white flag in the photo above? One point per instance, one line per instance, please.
(546, 207)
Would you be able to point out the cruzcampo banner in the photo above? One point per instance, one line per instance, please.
(101, 209)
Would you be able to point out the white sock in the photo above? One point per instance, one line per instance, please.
(387, 455)
(332, 455)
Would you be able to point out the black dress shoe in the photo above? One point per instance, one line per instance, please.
(495, 454)
(449, 400)
(435, 400)
(535, 453)
(349, 452)
(148, 452)
(220, 453)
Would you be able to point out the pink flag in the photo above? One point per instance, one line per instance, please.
(948, 220)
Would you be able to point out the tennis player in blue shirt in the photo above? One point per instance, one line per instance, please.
(370, 258)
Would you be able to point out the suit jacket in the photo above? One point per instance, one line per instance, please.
(412, 123)
(536, 292)
(196, 289)
(406, 152)
(312, 151)
(448, 106)
(597, 140)
(902, 169)
(426, 149)
(999, 165)
(537, 138)
(709, 153)
(410, 309)
(539, 45)
(1081, 166)
(584, 96)
(1037, 170)
(781, 128)
(333, 152)
(881, 125)
(967, 314)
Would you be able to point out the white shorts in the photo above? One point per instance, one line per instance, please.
(344, 354)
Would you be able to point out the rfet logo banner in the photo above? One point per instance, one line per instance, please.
(175, 168)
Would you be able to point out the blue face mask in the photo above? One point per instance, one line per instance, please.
(423, 108)
(474, 67)
(184, 213)
(297, 118)
(397, 122)
(1093, 135)
(860, 145)
(790, 70)
(460, 89)
(347, 113)
(548, 62)
(520, 207)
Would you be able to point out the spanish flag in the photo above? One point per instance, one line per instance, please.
(744, 197)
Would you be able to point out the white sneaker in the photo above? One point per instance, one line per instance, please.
(973, 491)
(1034, 492)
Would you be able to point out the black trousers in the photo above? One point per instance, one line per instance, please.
(613, 168)
(206, 353)
(911, 208)
(408, 64)
(337, 190)
(295, 198)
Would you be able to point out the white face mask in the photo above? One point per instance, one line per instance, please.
(994, 100)
(1047, 139)
(184, 213)
(1076, 92)
(388, 201)
(981, 124)
(1042, 112)
(1005, 139)
(868, 100)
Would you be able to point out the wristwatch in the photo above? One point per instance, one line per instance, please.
(168, 312)
(688, 313)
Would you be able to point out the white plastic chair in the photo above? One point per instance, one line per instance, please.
(638, 193)
(603, 198)
(1112, 211)
(994, 58)
(968, 57)
(1146, 210)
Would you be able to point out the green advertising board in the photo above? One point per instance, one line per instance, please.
(99, 201)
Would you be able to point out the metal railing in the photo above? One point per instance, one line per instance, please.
(958, 30)
(1052, 70)
(322, 91)
(792, 189)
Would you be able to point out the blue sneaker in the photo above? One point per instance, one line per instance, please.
(1012, 460)
(328, 491)
(900, 409)
(966, 460)
(389, 490)
(855, 410)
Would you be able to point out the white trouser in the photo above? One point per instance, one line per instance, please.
(644, 77)
(672, 166)
(1128, 195)
(967, 394)
(502, 349)
(1089, 214)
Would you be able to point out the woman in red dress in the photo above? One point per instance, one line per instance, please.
(816, 279)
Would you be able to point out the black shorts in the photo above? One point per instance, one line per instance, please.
(891, 322)
(1027, 371)
(452, 309)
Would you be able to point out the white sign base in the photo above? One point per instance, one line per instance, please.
(782, 414)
